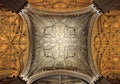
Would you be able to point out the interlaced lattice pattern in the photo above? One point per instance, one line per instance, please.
(60, 5)
(106, 45)
(13, 44)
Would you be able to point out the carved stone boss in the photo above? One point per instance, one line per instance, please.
(60, 46)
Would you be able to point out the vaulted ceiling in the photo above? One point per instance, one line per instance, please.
(14, 38)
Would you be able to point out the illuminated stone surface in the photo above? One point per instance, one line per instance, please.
(59, 42)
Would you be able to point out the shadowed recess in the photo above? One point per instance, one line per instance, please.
(106, 5)
(14, 5)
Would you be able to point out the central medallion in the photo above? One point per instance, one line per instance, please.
(60, 41)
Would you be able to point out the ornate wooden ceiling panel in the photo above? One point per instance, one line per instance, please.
(13, 44)
(60, 5)
(106, 44)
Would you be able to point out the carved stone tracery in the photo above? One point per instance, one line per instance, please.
(59, 42)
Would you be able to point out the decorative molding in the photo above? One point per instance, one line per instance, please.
(60, 79)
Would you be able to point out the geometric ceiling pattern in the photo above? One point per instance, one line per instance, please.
(60, 5)
(106, 44)
(14, 44)
(105, 35)
(59, 44)
(14, 38)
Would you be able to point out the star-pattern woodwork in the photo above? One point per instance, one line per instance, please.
(60, 5)
(13, 44)
(106, 44)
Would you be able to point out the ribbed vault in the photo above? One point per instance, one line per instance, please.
(14, 37)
